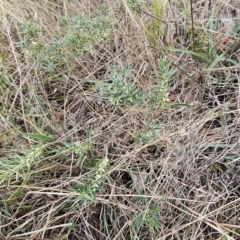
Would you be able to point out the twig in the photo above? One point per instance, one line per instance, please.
(193, 32)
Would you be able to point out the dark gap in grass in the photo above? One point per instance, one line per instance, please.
(125, 179)
(215, 123)
(208, 232)
(155, 152)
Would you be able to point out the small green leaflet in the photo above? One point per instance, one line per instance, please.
(40, 137)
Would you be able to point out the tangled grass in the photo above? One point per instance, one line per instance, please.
(114, 125)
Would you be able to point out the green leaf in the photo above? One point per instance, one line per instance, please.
(223, 238)
(77, 200)
(40, 137)
(189, 52)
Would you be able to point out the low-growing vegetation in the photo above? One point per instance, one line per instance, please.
(120, 120)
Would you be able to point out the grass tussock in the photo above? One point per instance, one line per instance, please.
(119, 121)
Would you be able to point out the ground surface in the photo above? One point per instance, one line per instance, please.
(119, 121)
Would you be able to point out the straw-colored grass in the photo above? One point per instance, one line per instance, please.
(115, 125)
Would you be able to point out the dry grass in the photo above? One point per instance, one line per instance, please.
(162, 162)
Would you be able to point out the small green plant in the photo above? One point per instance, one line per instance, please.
(61, 237)
(90, 188)
(153, 29)
(78, 35)
(158, 13)
(145, 136)
(19, 165)
(202, 41)
(83, 32)
(81, 149)
(30, 39)
(4, 82)
(160, 92)
(150, 218)
(120, 92)
(135, 6)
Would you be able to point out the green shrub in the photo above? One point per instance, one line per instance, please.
(78, 35)
(161, 89)
(120, 92)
